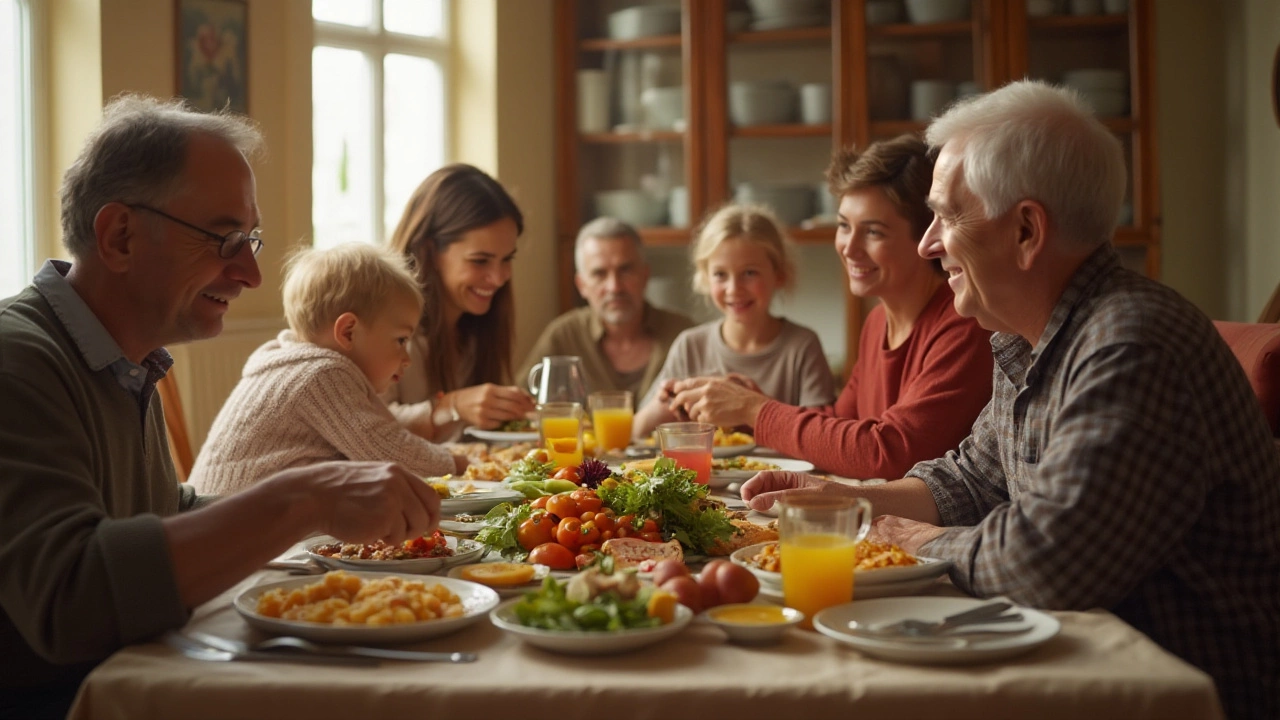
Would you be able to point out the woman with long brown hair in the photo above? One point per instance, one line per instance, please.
(460, 227)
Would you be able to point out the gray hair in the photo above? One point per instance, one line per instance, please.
(1031, 140)
(137, 155)
(602, 228)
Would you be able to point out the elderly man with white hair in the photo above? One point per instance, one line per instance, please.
(1123, 461)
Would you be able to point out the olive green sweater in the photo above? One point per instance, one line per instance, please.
(85, 476)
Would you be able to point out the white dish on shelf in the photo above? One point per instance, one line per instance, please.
(786, 22)
(925, 12)
(464, 551)
(586, 642)
(477, 600)
(644, 21)
(834, 623)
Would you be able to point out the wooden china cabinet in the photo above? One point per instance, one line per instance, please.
(615, 128)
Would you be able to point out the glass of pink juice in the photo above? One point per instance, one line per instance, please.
(817, 534)
(689, 445)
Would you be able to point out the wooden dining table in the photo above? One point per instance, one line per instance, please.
(1096, 667)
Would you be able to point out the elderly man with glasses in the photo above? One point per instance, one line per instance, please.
(100, 545)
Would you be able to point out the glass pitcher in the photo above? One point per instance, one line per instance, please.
(558, 378)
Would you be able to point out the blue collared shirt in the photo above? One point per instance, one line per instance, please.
(95, 344)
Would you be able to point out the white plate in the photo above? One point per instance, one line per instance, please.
(464, 551)
(773, 593)
(503, 437)
(486, 494)
(462, 528)
(834, 622)
(506, 591)
(926, 569)
(784, 22)
(477, 600)
(724, 451)
(583, 642)
(728, 476)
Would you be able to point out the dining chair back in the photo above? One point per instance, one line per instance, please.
(1257, 347)
(1271, 313)
(175, 422)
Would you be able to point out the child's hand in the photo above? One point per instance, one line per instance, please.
(487, 406)
(460, 463)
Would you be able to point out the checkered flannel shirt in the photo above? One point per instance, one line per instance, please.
(1124, 463)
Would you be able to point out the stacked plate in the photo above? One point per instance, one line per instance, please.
(878, 583)
(783, 14)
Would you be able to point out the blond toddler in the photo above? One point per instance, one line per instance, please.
(312, 394)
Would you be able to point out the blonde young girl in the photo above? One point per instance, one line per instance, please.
(740, 259)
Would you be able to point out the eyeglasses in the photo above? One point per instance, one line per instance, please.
(228, 245)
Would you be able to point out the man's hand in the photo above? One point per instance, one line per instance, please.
(361, 502)
(487, 406)
(723, 401)
(763, 490)
(906, 534)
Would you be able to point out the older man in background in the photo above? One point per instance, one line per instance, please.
(1123, 461)
(100, 545)
(621, 338)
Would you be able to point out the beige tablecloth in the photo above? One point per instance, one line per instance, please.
(1098, 667)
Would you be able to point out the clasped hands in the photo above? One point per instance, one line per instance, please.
(728, 401)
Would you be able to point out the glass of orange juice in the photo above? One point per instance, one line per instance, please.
(611, 415)
(817, 533)
(689, 444)
(560, 432)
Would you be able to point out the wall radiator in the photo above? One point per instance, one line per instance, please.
(207, 370)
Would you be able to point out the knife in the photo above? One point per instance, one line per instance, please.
(240, 651)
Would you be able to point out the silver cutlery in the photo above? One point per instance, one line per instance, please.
(957, 639)
(983, 614)
(286, 642)
(228, 650)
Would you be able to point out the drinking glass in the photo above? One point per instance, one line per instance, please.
(689, 444)
(817, 534)
(560, 432)
(611, 415)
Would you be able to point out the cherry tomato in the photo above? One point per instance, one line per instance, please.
(651, 536)
(569, 533)
(535, 531)
(587, 500)
(567, 473)
(553, 555)
(589, 533)
(604, 521)
(606, 535)
(563, 506)
(650, 525)
(538, 455)
(624, 531)
(541, 503)
(627, 520)
(588, 549)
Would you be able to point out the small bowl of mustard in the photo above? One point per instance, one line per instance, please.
(754, 623)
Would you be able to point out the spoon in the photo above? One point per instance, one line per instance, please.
(297, 643)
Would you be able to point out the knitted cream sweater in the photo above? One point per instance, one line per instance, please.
(299, 404)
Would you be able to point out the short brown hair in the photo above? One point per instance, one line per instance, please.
(321, 285)
(902, 168)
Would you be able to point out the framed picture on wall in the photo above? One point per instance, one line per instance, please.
(213, 53)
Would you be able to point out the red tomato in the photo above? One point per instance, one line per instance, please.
(535, 531)
(606, 535)
(627, 520)
(588, 549)
(541, 503)
(650, 525)
(736, 584)
(686, 591)
(604, 521)
(563, 506)
(651, 536)
(567, 473)
(587, 500)
(589, 534)
(667, 569)
(569, 533)
(553, 555)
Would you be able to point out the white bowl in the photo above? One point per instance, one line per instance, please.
(634, 207)
(663, 107)
(757, 632)
(778, 9)
(1107, 103)
(791, 203)
(584, 642)
(883, 12)
(761, 103)
(1096, 79)
(644, 21)
(923, 12)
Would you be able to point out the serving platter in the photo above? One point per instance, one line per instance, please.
(583, 642)
(477, 600)
(464, 551)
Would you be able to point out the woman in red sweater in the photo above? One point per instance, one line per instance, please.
(923, 372)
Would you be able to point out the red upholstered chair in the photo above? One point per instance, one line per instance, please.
(1257, 347)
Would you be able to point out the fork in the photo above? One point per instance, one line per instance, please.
(982, 614)
(959, 639)
(231, 650)
(297, 643)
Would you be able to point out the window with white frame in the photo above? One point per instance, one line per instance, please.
(379, 74)
(17, 180)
